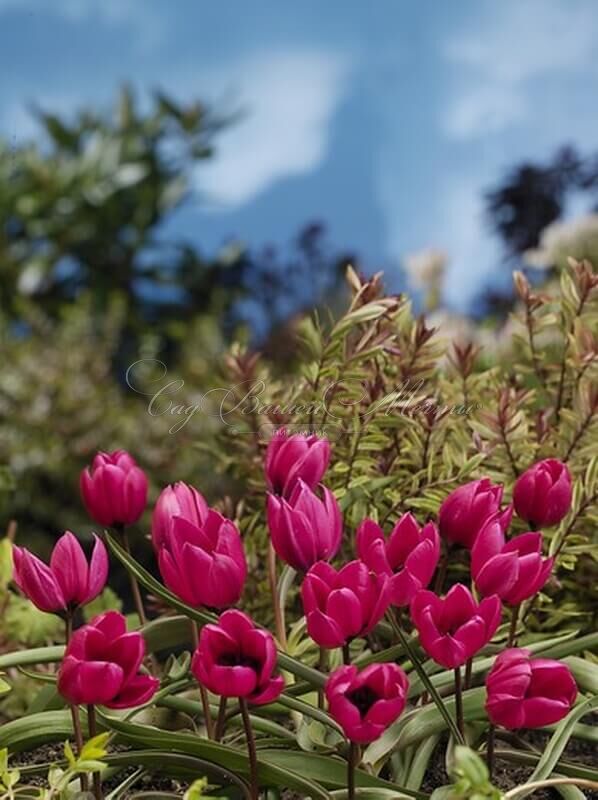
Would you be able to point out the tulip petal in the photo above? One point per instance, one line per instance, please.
(135, 692)
(69, 565)
(267, 693)
(36, 580)
(98, 570)
(324, 630)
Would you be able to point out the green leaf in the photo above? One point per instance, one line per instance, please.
(559, 740)
(95, 748)
(220, 754)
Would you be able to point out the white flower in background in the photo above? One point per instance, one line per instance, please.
(577, 238)
(425, 268)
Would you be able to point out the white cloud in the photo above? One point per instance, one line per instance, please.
(499, 59)
(290, 100)
(482, 110)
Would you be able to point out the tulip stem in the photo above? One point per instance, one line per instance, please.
(468, 673)
(459, 702)
(512, 640)
(425, 678)
(203, 694)
(281, 634)
(351, 767)
(346, 653)
(251, 751)
(323, 667)
(76, 717)
(96, 777)
(221, 721)
(490, 750)
(135, 591)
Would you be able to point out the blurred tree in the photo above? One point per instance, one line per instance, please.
(84, 210)
(532, 196)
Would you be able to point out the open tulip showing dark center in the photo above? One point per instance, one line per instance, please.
(238, 660)
(363, 699)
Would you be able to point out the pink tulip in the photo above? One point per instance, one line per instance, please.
(305, 528)
(204, 564)
(339, 606)
(365, 703)
(114, 489)
(452, 629)
(542, 495)
(466, 509)
(513, 570)
(68, 582)
(290, 458)
(526, 692)
(177, 500)
(236, 659)
(409, 556)
(101, 665)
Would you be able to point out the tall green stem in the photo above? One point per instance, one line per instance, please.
(135, 591)
(251, 751)
(459, 702)
(203, 694)
(279, 625)
(425, 679)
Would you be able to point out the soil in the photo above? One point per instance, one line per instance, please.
(506, 774)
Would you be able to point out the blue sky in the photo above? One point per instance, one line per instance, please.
(386, 120)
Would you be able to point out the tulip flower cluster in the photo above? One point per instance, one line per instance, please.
(201, 558)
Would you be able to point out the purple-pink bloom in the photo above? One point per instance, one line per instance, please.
(177, 500)
(234, 658)
(290, 458)
(409, 556)
(101, 665)
(465, 511)
(114, 489)
(69, 581)
(514, 570)
(305, 528)
(365, 703)
(542, 495)
(339, 606)
(452, 629)
(204, 564)
(526, 692)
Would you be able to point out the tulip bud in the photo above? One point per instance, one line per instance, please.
(526, 692)
(236, 659)
(305, 529)
(513, 570)
(68, 582)
(452, 629)
(466, 509)
(293, 458)
(365, 703)
(339, 606)
(101, 665)
(114, 489)
(409, 556)
(542, 495)
(204, 564)
(177, 500)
